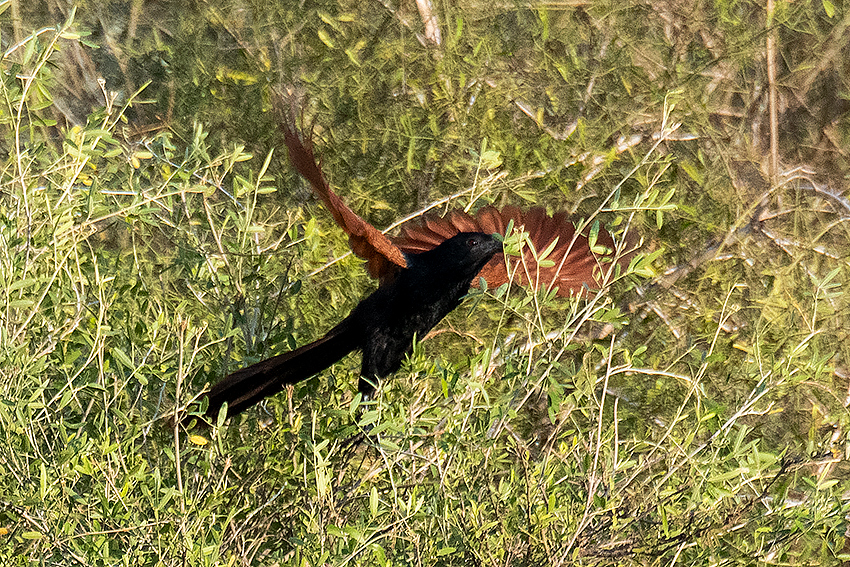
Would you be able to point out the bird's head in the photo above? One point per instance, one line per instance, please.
(463, 255)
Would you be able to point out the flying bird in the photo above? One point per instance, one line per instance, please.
(423, 275)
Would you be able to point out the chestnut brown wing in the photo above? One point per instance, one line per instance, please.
(382, 257)
(575, 264)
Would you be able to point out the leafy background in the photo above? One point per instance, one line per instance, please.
(153, 238)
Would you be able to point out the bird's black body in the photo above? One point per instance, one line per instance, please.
(382, 326)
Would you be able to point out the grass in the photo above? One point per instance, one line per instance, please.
(695, 412)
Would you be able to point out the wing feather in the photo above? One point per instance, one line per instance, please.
(383, 258)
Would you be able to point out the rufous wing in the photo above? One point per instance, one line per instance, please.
(575, 267)
(382, 257)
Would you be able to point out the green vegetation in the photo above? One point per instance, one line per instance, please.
(152, 238)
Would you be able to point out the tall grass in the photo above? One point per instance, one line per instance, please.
(694, 416)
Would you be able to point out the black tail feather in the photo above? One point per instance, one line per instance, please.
(246, 387)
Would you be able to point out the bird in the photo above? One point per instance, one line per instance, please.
(423, 273)
(382, 326)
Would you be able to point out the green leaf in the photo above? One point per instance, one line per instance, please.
(373, 502)
(829, 8)
(692, 171)
(122, 357)
(326, 39)
(548, 250)
(20, 284)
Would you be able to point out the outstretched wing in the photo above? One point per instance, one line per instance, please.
(382, 257)
(575, 265)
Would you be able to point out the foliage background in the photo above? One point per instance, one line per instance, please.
(152, 238)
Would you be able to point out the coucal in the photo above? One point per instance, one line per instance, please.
(423, 275)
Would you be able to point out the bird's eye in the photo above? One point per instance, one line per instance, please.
(472, 241)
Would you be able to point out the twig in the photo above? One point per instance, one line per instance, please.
(771, 81)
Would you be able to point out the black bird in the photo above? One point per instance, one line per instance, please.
(382, 326)
(423, 275)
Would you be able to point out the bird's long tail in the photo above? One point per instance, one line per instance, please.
(248, 386)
